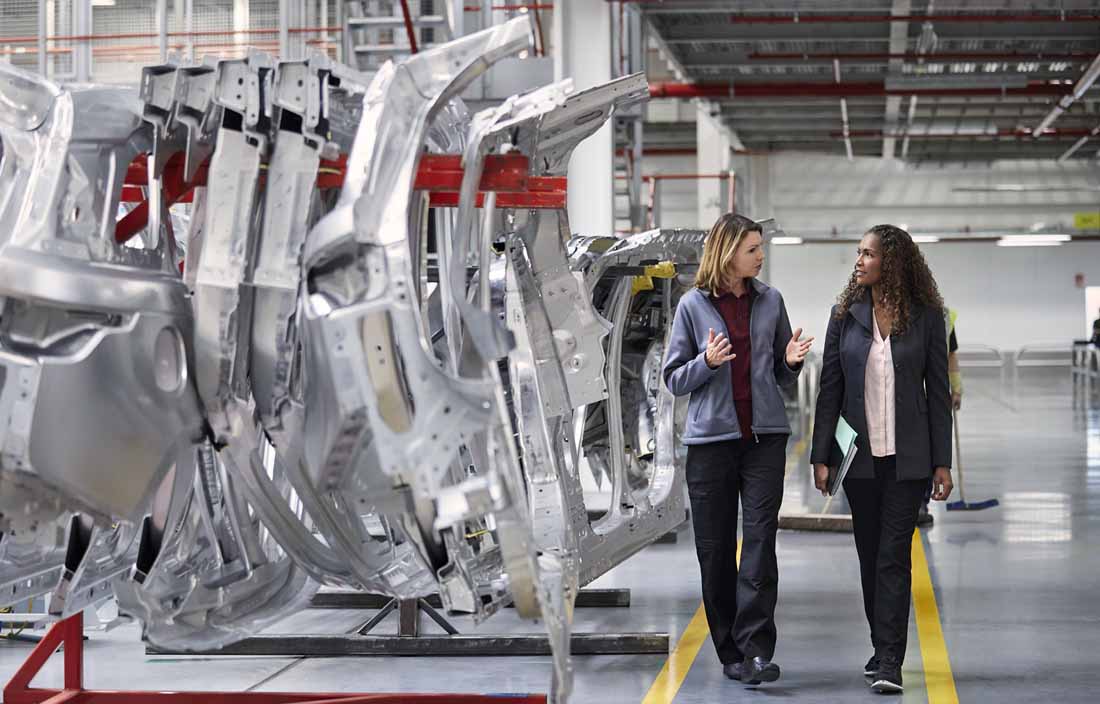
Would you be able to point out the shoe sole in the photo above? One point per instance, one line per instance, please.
(770, 674)
(870, 673)
(886, 687)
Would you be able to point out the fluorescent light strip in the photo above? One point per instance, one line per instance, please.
(786, 240)
(1033, 240)
(1010, 243)
(925, 239)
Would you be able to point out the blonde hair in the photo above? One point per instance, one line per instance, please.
(721, 243)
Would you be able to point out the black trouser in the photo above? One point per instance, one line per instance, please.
(884, 516)
(740, 607)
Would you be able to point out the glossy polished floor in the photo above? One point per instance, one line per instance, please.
(1006, 599)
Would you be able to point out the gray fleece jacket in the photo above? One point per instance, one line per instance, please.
(711, 413)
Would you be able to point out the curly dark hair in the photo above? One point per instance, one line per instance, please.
(906, 278)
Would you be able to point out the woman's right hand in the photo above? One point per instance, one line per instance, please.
(821, 478)
(718, 350)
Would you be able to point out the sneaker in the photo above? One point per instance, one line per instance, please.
(871, 668)
(888, 678)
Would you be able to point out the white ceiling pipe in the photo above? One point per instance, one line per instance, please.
(1090, 76)
(1078, 144)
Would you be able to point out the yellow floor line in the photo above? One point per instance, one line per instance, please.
(794, 455)
(675, 670)
(938, 679)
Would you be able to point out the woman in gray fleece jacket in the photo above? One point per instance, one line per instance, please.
(731, 347)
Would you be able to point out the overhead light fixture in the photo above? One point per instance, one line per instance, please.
(925, 239)
(1026, 188)
(786, 240)
(1033, 240)
(954, 81)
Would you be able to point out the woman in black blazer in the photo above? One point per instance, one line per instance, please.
(885, 370)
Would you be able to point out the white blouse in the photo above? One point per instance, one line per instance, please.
(878, 395)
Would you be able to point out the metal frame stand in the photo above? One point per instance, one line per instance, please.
(342, 599)
(410, 641)
(69, 633)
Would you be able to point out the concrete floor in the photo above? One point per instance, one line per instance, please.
(1016, 588)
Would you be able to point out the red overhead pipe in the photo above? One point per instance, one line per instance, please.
(409, 29)
(832, 90)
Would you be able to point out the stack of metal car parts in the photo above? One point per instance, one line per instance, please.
(347, 386)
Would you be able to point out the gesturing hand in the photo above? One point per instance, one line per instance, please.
(718, 350)
(798, 349)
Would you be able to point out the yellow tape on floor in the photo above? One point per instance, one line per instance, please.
(938, 679)
(675, 670)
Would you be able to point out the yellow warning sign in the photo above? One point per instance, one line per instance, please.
(1087, 221)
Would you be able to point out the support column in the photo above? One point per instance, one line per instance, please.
(713, 152)
(42, 31)
(899, 43)
(189, 27)
(162, 29)
(754, 195)
(241, 21)
(284, 26)
(82, 53)
(582, 42)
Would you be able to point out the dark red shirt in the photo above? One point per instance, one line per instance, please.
(735, 311)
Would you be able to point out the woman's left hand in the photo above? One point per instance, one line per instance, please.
(797, 349)
(942, 484)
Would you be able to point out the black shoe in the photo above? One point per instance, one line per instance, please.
(888, 678)
(732, 670)
(871, 668)
(757, 670)
(924, 518)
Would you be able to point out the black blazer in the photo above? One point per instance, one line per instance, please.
(923, 399)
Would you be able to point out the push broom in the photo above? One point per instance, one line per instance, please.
(962, 504)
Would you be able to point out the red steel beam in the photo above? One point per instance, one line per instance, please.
(438, 174)
(716, 89)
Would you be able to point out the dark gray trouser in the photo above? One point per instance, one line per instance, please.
(740, 605)
(884, 516)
